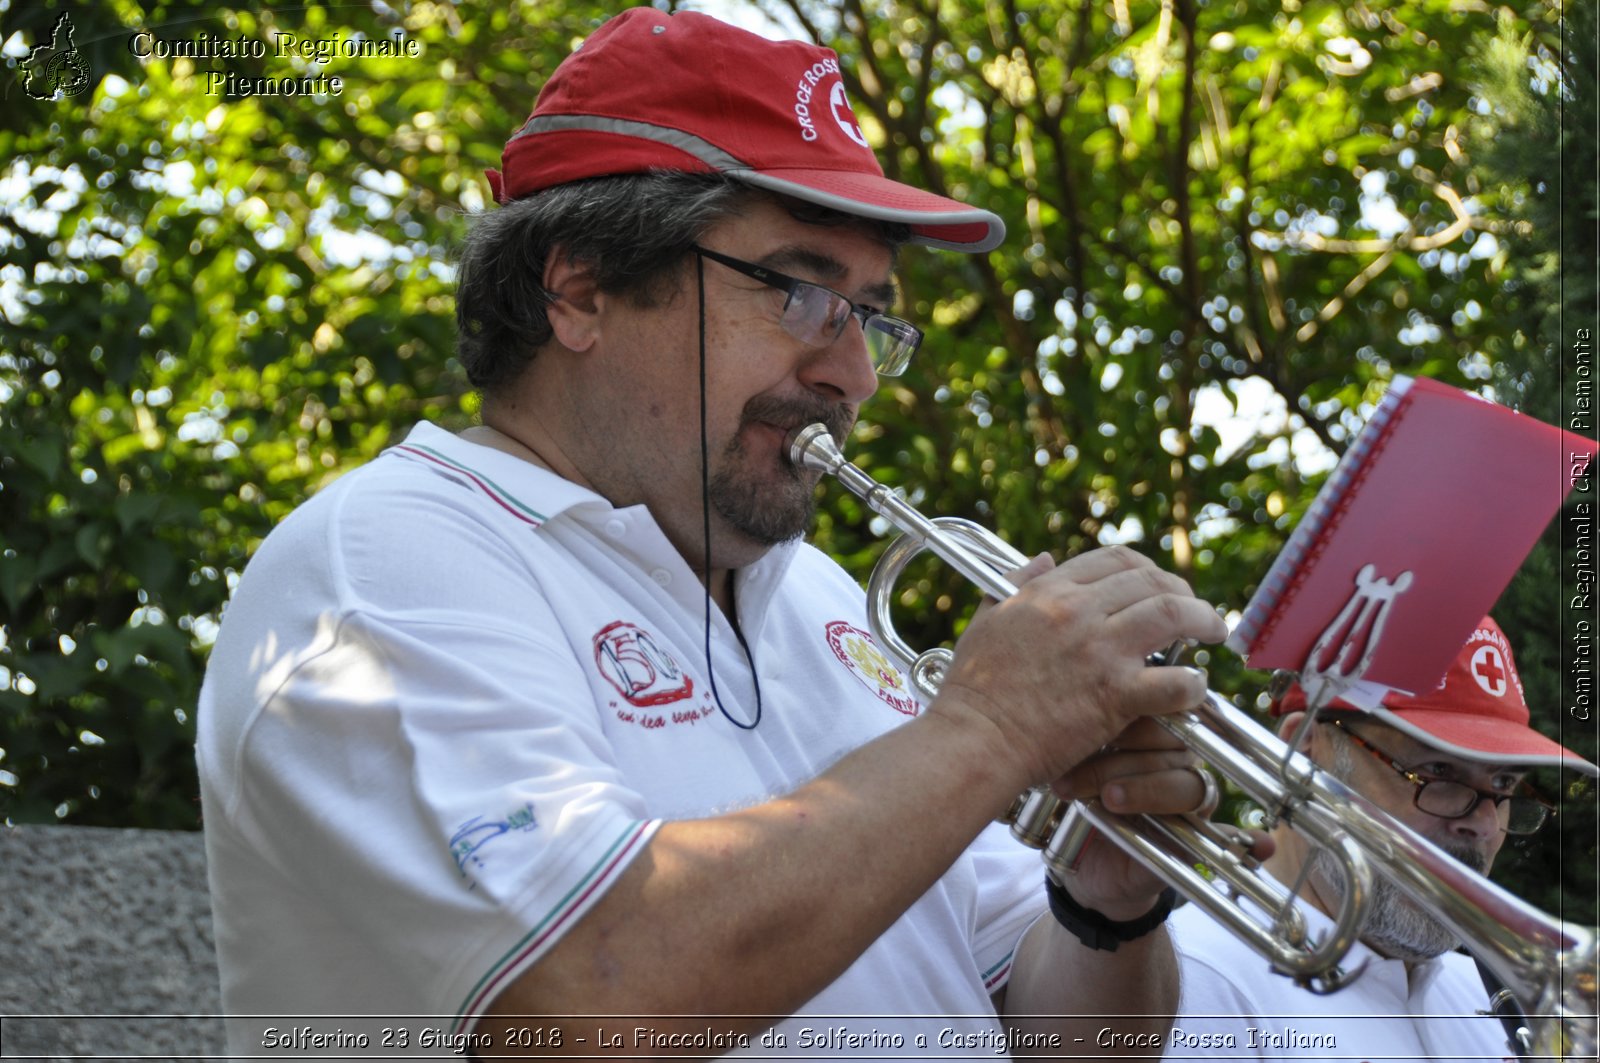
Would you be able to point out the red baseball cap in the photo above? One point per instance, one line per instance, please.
(1477, 713)
(648, 91)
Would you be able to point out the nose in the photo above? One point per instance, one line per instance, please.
(842, 370)
(1483, 822)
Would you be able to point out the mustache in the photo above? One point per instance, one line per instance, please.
(792, 413)
(1470, 856)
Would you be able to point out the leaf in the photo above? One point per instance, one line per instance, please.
(43, 453)
(152, 563)
(136, 509)
(94, 542)
(16, 582)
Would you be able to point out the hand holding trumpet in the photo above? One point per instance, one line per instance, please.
(1060, 667)
(1060, 670)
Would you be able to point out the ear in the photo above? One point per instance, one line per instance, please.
(574, 312)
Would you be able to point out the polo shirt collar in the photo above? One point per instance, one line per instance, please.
(538, 495)
(523, 488)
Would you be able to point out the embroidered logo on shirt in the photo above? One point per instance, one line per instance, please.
(475, 833)
(643, 673)
(877, 673)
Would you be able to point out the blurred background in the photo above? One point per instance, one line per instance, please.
(1232, 223)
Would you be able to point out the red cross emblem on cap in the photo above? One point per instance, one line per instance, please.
(840, 106)
(1489, 670)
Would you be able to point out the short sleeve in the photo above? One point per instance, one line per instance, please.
(416, 747)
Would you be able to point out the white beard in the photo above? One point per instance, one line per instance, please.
(1396, 926)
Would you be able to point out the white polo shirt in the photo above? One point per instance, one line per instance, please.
(452, 698)
(1233, 1007)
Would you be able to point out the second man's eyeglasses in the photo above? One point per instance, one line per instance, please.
(1520, 812)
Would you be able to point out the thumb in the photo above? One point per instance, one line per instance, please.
(1037, 566)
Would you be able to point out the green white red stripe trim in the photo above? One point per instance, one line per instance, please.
(505, 499)
(995, 976)
(524, 952)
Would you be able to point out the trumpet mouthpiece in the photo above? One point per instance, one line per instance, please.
(812, 447)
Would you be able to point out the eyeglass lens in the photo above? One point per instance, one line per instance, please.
(817, 315)
(1452, 800)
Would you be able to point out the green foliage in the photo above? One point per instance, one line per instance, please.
(1231, 223)
(194, 342)
(1185, 203)
(1540, 155)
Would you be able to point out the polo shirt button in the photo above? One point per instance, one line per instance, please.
(662, 576)
(616, 529)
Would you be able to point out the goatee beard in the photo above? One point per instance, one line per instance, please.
(1396, 925)
(766, 513)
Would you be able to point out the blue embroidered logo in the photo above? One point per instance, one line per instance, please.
(475, 833)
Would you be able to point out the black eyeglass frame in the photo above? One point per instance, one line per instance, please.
(903, 333)
(1528, 798)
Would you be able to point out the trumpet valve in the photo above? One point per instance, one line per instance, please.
(1037, 819)
(1072, 833)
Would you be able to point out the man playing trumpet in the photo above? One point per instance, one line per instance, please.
(557, 718)
(1453, 771)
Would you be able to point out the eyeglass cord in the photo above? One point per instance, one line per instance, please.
(705, 514)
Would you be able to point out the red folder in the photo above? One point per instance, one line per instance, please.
(1442, 484)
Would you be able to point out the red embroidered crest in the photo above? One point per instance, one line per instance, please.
(641, 671)
(867, 663)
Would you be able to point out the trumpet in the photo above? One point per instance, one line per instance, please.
(1547, 964)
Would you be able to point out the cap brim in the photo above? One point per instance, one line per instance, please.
(1484, 739)
(934, 220)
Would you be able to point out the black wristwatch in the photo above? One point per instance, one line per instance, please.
(1094, 929)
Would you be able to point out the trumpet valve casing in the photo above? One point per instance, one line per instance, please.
(1037, 818)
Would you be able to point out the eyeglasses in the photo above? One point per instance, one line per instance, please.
(817, 316)
(1523, 812)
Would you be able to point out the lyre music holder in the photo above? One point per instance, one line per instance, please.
(1342, 653)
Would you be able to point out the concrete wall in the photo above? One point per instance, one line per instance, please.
(96, 924)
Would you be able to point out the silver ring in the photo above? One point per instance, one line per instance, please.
(1209, 799)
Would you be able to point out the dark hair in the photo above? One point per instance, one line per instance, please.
(633, 230)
